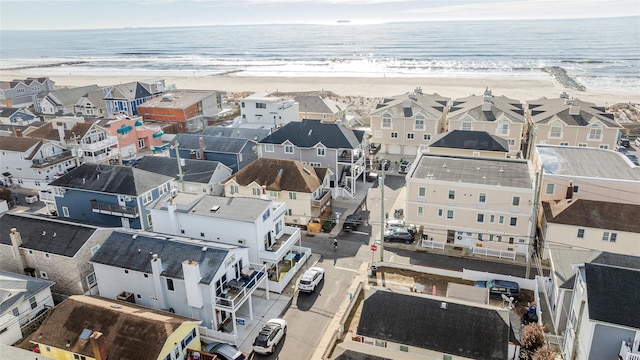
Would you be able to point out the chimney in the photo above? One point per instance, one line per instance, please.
(192, 155)
(16, 242)
(18, 132)
(486, 104)
(574, 109)
(98, 346)
(61, 136)
(156, 270)
(201, 142)
(192, 277)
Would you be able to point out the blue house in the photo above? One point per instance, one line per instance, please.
(109, 195)
(125, 98)
(235, 153)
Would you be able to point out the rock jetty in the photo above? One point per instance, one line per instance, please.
(561, 76)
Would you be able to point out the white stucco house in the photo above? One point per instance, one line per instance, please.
(266, 110)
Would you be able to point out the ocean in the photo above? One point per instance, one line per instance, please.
(600, 54)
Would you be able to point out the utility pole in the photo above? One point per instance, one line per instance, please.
(534, 223)
(381, 181)
(180, 174)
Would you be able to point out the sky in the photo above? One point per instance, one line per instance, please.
(100, 14)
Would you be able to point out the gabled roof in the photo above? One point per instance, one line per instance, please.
(70, 96)
(211, 143)
(46, 235)
(544, 111)
(133, 251)
(240, 133)
(19, 144)
(16, 288)
(121, 324)
(461, 330)
(501, 106)
(112, 179)
(354, 355)
(48, 132)
(471, 140)
(278, 175)
(609, 294)
(410, 104)
(319, 105)
(199, 171)
(307, 133)
(129, 91)
(6, 112)
(594, 214)
(564, 259)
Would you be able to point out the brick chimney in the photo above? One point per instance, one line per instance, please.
(98, 346)
(16, 242)
(18, 132)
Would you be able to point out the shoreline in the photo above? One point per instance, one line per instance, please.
(369, 87)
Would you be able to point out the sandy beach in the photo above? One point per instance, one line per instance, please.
(456, 87)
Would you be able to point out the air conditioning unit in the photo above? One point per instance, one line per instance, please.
(128, 198)
(174, 192)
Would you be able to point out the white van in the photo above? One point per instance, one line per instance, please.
(395, 224)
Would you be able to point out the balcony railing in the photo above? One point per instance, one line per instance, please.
(351, 156)
(112, 209)
(627, 353)
(237, 291)
(101, 144)
(50, 160)
(101, 157)
(282, 246)
(320, 202)
(46, 196)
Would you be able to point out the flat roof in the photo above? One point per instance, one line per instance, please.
(230, 208)
(181, 99)
(474, 170)
(586, 162)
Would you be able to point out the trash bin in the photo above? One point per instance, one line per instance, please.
(373, 270)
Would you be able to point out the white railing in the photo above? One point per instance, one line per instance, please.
(279, 286)
(494, 252)
(46, 196)
(219, 336)
(234, 298)
(108, 142)
(94, 159)
(433, 244)
(626, 353)
(284, 245)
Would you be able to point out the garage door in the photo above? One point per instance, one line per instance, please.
(411, 150)
(394, 149)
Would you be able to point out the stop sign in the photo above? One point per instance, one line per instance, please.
(374, 247)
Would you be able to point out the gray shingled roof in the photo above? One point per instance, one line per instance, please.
(471, 140)
(500, 106)
(70, 96)
(134, 251)
(462, 330)
(595, 214)
(609, 294)
(431, 106)
(16, 288)
(46, 235)
(199, 171)
(544, 110)
(112, 179)
(308, 133)
(211, 143)
(319, 105)
(240, 133)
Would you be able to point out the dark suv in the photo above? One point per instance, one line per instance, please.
(352, 222)
(497, 288)
(398, 234)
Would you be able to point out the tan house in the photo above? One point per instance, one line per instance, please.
(588, 224)
(481, 204)
(586, 173)
(305, 189)
(499, 116)
(320, 108)
(571, 122)
(403, 123)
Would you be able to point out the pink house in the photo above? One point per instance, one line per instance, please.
(134, 136)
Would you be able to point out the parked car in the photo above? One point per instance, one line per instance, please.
(310, 279)
(385, 163)
(633, 158)
(395, 223)
(398, 234)
(497, 288)
(270, 335)
(225, 351)
(637, 142)
(622, 149)
(371, 176)
(30, 199)
(625, 142)
(352, 222)
(404, 167)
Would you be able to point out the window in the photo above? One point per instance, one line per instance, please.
(321, 151)
(261, 105)
(315, 164)
(65, 211)
(147, 197)
(480, 218)
(274, 194)
(452, 194)
(170, 285)
(242, 104)
(516, 201)
(255, 191)
(15, 311)
(604, 147)
(404, 348)
(564, 143)
(550, 189)
(576, 188)
(582, 145)
(513, 221)
(201, 234)
(512, 142)
(595, 132)
(33, 302)
(292, 196)
(466, 124)
(91, 279)
(422, 192)
(492, 218)
(556, 130)
(580, 233)
(607, 236)
(394, 135)
(426, 136)
(449, 214)
(482, 198)
(419, 124)
(234, 189)
(79, 357)
(386, 121)
(288, 149)
(447, 357)
(149, 220)
(503, 127)
(420, 211)
(440, 212)
(141, 143)
(44, 275)
(268, 147)
(410, 136)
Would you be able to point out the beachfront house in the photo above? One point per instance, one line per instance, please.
(108, 195)
(30, 160)
(24, 92)
(305, 189)
(319, 144)
(235, 153)
(264, 109)
(465, 202)
(255, 224)
(78, 101)
(183, 110)
(124, 98)
(603, 321)
(134, 136)
(17, 116)
(99, 328)
(318, 107)
(468, 143)
(497, 115)
(403, 123)
(25, 302)
(192, 176)
(586, 173)
(570, 122)
(204, 280)
(51, 249)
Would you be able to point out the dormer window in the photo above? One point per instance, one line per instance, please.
(503, 127)
(467, 124)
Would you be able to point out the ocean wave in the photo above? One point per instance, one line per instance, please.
(583, 61)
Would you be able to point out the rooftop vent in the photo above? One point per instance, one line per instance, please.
(443, 305)
(307, 171)
(215, 208)
(564, 95)
(168, 97)
(310, 131)
(204, 248)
